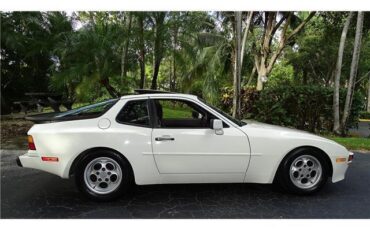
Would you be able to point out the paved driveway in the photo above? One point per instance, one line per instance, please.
(362, 130)
(27, 193)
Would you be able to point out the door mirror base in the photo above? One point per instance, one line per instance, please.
(219, 132)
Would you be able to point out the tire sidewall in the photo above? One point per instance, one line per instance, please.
(124, 184)
(284, 171)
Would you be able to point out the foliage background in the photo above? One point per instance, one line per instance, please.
(90, 56)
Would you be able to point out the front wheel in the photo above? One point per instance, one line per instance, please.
(304, 171)
(103, 175)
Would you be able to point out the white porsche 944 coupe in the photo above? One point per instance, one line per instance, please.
(165, 138)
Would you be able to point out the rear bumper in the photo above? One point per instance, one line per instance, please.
(19, 163)
(35, 162)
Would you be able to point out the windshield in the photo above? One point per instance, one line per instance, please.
(236, 121)
(90, 110)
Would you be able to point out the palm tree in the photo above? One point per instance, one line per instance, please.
(337, 73)
(354, 69)
(91, 55)
(158, 20)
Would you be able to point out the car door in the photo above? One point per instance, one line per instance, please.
(184, 143)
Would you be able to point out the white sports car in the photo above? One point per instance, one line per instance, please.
(156, 137)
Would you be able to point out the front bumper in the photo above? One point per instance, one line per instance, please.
(350, 157)
(340, 167)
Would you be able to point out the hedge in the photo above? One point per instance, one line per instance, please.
(364, 115)
(307, 107)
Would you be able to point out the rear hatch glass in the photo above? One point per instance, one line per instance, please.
(85, 112)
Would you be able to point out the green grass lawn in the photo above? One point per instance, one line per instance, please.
(175, 113)
(352, 143)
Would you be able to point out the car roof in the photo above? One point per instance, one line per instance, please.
(162, 95)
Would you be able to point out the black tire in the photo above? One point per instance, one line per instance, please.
(283, 178)
(124, 186)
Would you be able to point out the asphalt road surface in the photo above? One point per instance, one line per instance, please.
(362, 130)
(27, 193)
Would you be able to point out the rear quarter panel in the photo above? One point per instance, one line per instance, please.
(66, 140)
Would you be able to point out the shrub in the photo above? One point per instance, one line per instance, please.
(248, 97)
(364, 115)
(307, 107)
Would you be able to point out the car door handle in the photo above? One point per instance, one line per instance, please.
(164, 138)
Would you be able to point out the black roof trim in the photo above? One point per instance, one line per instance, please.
(149, 91)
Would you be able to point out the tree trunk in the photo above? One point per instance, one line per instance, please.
(111, 90)
(158, 43)
(260, 82)
(237, 62)
(262, 76)
(156, 65)
(265, 58)
(353, 72)
(368, 96)
(173, 64)
(142, 52)
(125, 49)
(337, 74)
(251, 76)
(262, 61)
(246, 30)
(104, 81)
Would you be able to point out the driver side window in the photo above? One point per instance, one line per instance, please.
(179, 110)
(172, 113)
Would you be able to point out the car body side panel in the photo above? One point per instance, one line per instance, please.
(196, 154)
(270, 144)
(201, 151)
(202, 178)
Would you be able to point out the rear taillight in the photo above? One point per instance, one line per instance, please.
(31, 144)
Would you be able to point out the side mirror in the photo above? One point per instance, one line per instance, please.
(217, 125)
(196, 115)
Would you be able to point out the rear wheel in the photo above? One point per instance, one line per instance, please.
(304, 171)
(103, 175)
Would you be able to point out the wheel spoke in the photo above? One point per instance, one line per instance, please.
(294, 169)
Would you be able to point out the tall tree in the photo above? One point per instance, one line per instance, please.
(159, 27)
(140, 20)
(185, 54)
(368, 96)
(237, 64)
(265, 56)
(92, 55)
(27, 42)
(337, 74)
(125, 46)
(354, 68)
(245, 35)
(213, 64)
(175, 24)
